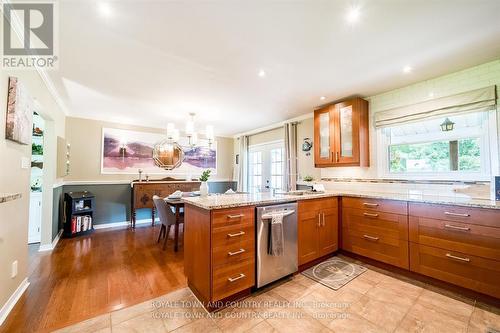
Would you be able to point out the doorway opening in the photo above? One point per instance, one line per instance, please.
(36, 182)
(266, 166)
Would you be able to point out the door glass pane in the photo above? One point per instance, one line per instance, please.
(324, 135)
(346, 131)
(255, 171)
(277, 168)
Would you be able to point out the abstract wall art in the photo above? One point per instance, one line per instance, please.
(126, 151)
(20, 108)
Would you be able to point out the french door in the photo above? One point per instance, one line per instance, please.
(266, 167)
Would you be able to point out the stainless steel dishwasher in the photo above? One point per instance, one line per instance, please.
(271, 268)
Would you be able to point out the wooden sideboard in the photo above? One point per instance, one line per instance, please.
(143, 192)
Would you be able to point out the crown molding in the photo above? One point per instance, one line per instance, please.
(275, 125)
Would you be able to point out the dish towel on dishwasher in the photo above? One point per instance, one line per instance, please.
(275, 244)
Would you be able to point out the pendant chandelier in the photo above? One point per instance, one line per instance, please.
(168, 154)
(192, 135)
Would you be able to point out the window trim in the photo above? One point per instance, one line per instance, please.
(489, 160)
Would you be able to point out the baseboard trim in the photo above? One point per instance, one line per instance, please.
(50, 247)
(11, 302)
(120, 224)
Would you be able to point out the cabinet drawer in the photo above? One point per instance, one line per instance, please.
(230, 253)
(310, 205)
(379, 205)
(233, 278)
(389, 250)
(489, 217)
(233, 234)
(388, 224)
(465, 270)
(474, 239)
(232, 216)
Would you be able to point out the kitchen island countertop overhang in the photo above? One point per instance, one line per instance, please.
(222, 201)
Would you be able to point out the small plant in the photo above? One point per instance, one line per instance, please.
(308, 178)
(205, 175)
(36, 149)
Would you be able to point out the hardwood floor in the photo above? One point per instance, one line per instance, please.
(91, 275)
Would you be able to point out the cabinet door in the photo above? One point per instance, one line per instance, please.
(329, 231)
(309, 225)
(346, 123)
(323, 137)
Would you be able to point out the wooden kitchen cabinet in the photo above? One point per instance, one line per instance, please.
(341, 134)
(377, 229)
(219, 252)
(317, 228)
(460, 245)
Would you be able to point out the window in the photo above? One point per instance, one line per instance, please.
(423, 150)
(266, 166)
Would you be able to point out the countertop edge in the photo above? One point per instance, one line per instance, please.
(5, 197)
(388, 196)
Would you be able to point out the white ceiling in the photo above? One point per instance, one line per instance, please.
(151, 62)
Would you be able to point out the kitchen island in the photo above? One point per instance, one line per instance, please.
(448, 238)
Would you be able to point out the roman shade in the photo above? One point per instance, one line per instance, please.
(483, 99)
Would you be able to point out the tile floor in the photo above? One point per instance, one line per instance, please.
(373, 302)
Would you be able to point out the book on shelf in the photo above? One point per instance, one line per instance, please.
(73, 224)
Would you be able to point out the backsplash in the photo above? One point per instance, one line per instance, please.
(476, 190)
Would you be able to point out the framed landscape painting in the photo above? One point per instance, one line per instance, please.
(20, 108)
(125, 152)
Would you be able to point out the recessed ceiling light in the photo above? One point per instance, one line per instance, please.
(262, 73)
(431, 94)
(407, 69)
(353, 14)
(105, 9)
(322, 98)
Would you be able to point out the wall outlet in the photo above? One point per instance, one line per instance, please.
(14, 269)
(25, 163)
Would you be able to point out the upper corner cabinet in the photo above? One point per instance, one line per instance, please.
(341, 134)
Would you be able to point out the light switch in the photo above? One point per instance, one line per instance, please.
(25, 162)
(14, 269)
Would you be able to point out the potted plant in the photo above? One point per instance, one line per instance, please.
(308, 178)
(204, 185)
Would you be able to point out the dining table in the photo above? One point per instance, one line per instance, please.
(178, 206)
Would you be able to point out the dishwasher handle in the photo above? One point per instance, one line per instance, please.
(284, 212)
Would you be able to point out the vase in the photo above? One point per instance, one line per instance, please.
(204, 189)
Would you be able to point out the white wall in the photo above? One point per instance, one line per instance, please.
(14, 179)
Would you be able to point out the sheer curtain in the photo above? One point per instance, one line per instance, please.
(291, 156)
(243, 164)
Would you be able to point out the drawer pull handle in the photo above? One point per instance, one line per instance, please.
(369, 204)
(237, 216)
(451, 256)
(454, 227)
(241, 276)
(456, 214)
(370, 215)
(319, 220)
(371, 238)
(236, 252)
(241, 233)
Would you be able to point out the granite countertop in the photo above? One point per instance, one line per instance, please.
(239, 200)
(4, 197)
